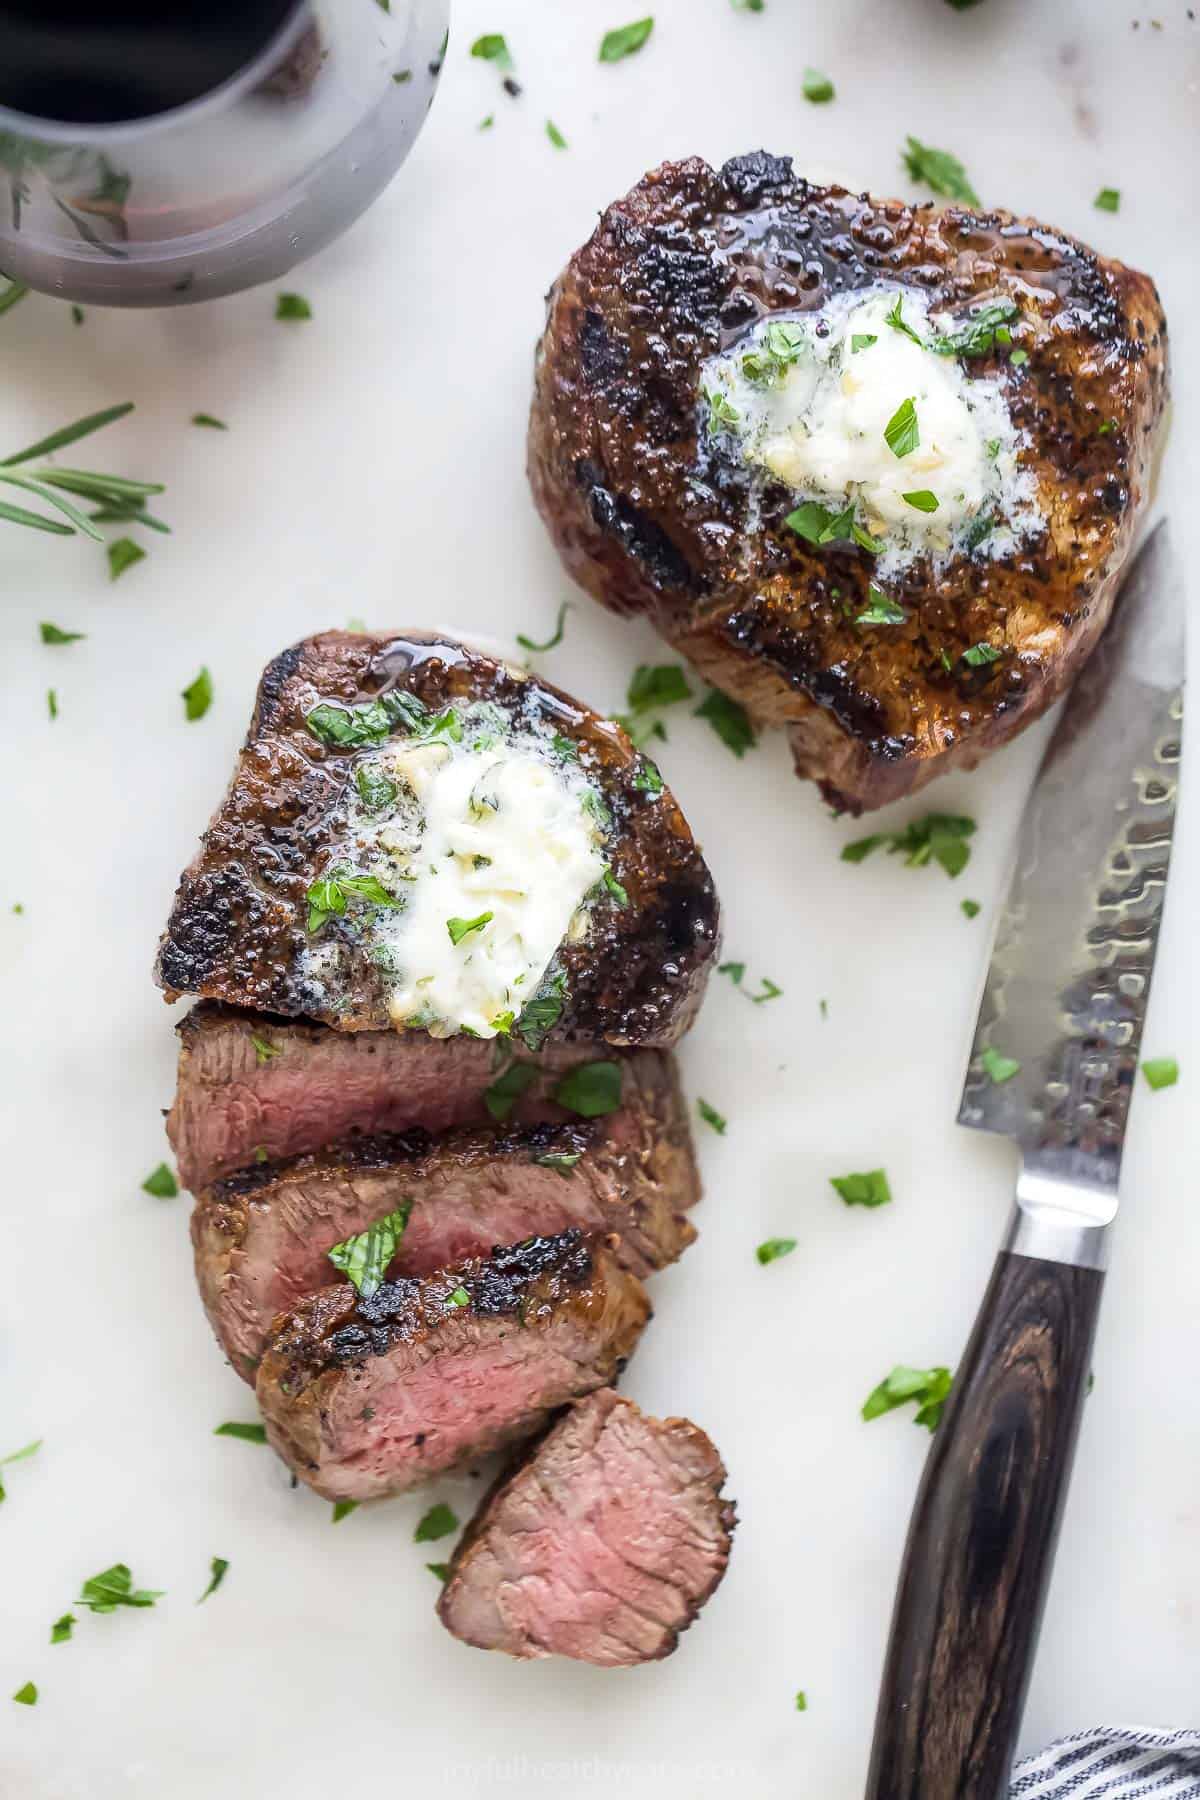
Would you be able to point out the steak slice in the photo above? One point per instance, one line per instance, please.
(653, 509)
(370, 1397)
(243, 929)
(253, 1090)
(262, 1237)
(603, 1544)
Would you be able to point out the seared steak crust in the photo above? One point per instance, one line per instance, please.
(237, 929)
(262, 1236)
(369, 1397)
(253, 1090)
(652, 516)
(602, 1544)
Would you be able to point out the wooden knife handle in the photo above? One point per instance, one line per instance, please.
(981, 1542)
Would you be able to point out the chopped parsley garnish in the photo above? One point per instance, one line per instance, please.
(754, 6)
(902, 430)
(1019, 358)
(723, 415)
(881, 609)
(122, 554)
(114, 1587)
(870, 1189)
(507, 1089)
(655, 685)
(898, 322)
(862, 340)
(1106, 428)
(54, 634)
(820, 525)
(801, 1701)
(218, 1566)
(342, 1510)
(647, 779)
(459, 1297)
(551, 642)
(613, 886)
(591, 1090)
(60, 1631)
(624, 40)
(774, 1248)
(729, 720)
(817, 87)
(486, 123)
(780, 347)
(161, 1183)
(27, 1695)
(78, 315)
(936, 837)
(986, 327)
(197, 697)
(563, 1161)
(437, 1523)
(939, 170)
(769, 992)
(921, 500)
(249, 1434)
(979, 655)
(461, 928)
(970, 909)
(712, 1117)
(1161, 1071)
(978, 531)
(15, 1456)
(927, 1387)
(1108, 200)
(493, 47)
(208, 419)
(329, 897)
(543, 1012)
(555, 135)
(364, 1258)
(734, 970)
(263, 1052)
(375, 789)
(997, 1067)
(292, 306)
(441, 1570)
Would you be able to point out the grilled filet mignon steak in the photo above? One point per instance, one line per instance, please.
(369, 1397)
(390, 786)
(254, 1090)
(939, 589)
(603, 1544)
(262, 1237)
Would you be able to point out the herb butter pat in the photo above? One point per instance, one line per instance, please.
(492, 844)
(813, 400)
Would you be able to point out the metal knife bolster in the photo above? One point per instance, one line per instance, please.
(1059, 1034)
(1059, 1222)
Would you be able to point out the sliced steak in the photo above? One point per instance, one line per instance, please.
(311, 794)
(262, 1237)
(370, 1397)
(649, 500)
(254, 1090)
(603, 1544)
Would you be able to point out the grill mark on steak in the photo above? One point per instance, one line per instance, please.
(237, 928)
(318, 1087)
(262, 1237)
(370, 1397)
(602, 1544)
(666, 522)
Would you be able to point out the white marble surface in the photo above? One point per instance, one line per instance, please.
(373, 468)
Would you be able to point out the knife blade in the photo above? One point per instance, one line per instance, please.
(1066, 992)
(1052, 1066)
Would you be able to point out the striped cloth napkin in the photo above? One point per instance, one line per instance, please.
(1113, 1762)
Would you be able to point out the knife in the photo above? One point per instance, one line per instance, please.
(1052, 1066)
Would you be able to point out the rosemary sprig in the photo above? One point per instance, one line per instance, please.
(118, 496)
